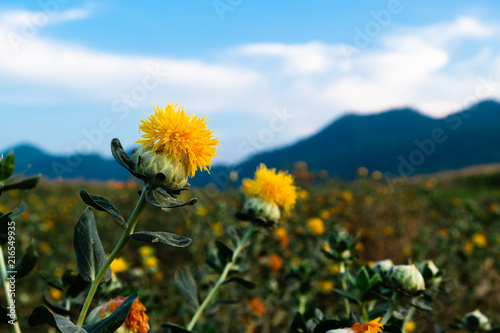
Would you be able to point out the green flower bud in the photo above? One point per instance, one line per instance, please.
(430, 272)
(407, 279)
(476, 321)
(160, 170)
(258, 208)
(382, 266)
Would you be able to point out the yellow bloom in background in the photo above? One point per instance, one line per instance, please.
(362, 172)
(479, 240)
(146, 250)
(257, 306)
(183, 136)
(55, 294)
(325, 286)
(410, 327)
(119, 265)
(468, 247)
(272, 187)
(316, 225)
(324, 214)
(283, 236)
(373, 326)
(151, 262)
(347, 196)
(494, 207)
(275, 262)
(217, 229)
(303, 194)
(45, 246)
(388, 230)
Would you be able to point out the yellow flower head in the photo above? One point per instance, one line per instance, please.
(119, 265)
(146, 250)
(272, 187)
(183, 136)
(373, 326)
(316, 225)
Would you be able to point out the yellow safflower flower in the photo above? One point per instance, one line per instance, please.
(183, 136)
(316, 225)
(119, 265)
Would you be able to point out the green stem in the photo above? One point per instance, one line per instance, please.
(391, 309)
(132, 222)
(365, 313)
(6, 286)
(408, 318)
(222, 278)
(344, 287)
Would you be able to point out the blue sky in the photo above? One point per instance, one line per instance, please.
(75, 74)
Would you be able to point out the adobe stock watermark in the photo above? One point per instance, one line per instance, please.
(221, 7)
(121, 108)
(32, 25)
(364, 35)
(425, 148)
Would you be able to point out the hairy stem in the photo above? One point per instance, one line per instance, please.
(222, 278)
(132, 222)
(344, 287)
(391, 309)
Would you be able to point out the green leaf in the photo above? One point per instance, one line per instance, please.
(298, 324)
(90, 255)
(347, 294)
(26, 263)
(121, 156)
(104, 205)
(362, 280)
(7, 166)
(160, 198)
(115, 320)
(244, 283)
(173, 328)
(42, 315)
(161, 237)
(24, 184)
(186, 284)
(225, 253)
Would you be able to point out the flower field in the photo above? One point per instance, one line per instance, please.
(291, 251)
(454, 222)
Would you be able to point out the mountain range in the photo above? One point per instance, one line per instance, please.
(399, 142)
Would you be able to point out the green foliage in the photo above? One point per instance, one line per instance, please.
(103, 205)
(161, 237)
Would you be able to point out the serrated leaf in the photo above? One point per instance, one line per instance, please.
(298, 324)
(161, 237)
(24, 184)
(90, 255)
(104, 205)
(111, 323)
(242, 282)
(173, 328)
(160, 198)
(187, 285)
(7, 166)
(26, 263)
(362, 280)
(225, 253)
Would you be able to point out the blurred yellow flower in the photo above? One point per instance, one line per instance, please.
(151, 262)
(202, 211)
(45, 246)
(49, 224)
(183, 136)
(468, 247)
(316, 225)
(388, 230)
(494, 207)
(119, 265)
(325, 286)
(334, 269)
(410, 327)
(359, 247)
(324, 214)
(303, 194)
(362, 172)
(377, 175)
(479, 240)
(55, 294)
(146, 250)
(347, 196)
(272, 187)
(217, 229)
(407, 251)
(283, 236)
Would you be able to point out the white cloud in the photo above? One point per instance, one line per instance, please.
(423, 67)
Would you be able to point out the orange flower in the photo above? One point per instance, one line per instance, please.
(137, 319)
(257, 306)
(373, 326)
(275, 262)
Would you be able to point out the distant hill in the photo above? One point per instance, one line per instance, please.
(398, 142)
